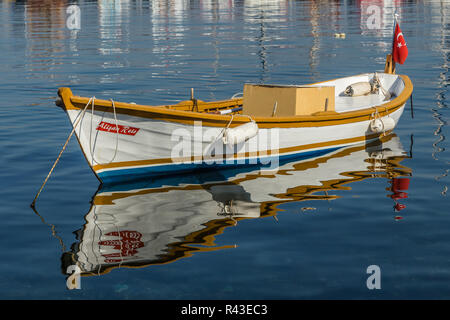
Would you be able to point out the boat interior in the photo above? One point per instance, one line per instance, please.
(391, 84)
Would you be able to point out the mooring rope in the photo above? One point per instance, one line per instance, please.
(377, 85)
(117, 131)
(222, 132)
(78, 119)
(90, 132)
(117, 135)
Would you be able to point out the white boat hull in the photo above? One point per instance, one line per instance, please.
(132, 141)
(160, 147)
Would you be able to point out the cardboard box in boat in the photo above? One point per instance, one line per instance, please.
(259, 100)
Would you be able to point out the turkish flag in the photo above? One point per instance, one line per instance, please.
(399, 49)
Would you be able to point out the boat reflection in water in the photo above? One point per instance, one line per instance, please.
(163, 220)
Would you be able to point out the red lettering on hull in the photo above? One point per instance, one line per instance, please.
(110, 127)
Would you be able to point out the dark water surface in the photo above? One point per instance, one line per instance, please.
(322, 222)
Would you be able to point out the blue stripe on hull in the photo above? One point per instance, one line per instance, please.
(124, 175)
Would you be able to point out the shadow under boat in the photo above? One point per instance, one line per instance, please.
(162, 220)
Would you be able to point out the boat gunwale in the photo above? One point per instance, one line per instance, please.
(166, 114)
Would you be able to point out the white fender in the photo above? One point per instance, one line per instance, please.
(243, 209)
(383, 154)
(358, 89)
(380, 125)
(240, 133)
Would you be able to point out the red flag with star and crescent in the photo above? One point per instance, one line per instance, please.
(399, 49)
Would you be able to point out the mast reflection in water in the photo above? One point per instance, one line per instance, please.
(163, 220)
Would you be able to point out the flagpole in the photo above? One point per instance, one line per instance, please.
(396, 15)
(390, 63)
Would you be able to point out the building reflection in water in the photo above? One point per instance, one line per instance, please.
(261, 16)
(162, 220)
(168, 24)
(114, 33)
(172, 20)
(441, 18)
(45, 22)
(6, 18)
(114, 23)
(315, 33)
(214, 10)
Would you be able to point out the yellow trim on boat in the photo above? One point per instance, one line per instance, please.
(300, 166)
(172, 114)
(281, 151)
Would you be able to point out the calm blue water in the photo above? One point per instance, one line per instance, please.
(323, 238)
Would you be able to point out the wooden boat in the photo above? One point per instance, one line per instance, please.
(159, 221)
(124, 141)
